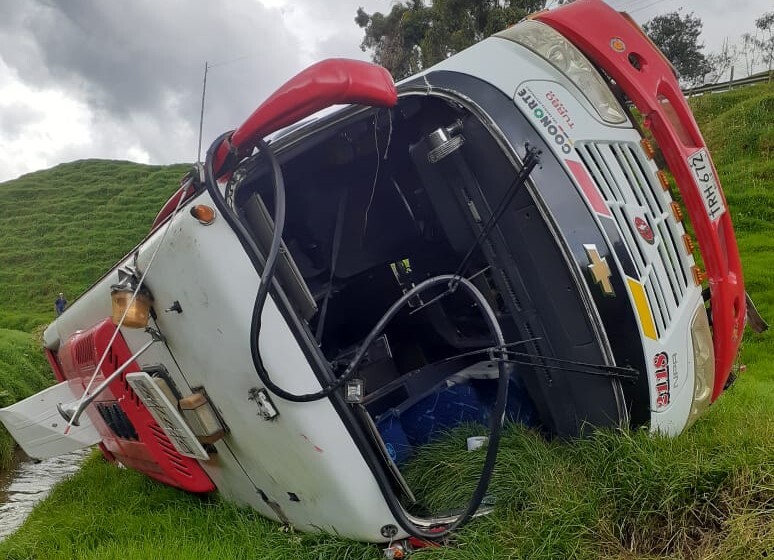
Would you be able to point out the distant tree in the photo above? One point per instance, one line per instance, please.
(394, 37)
(765, 25)
(678, 37)
(751, 52)
(415, 34)
(721, 62)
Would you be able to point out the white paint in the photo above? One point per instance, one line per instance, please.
(166, 415)
(306, 450)
(37, 426)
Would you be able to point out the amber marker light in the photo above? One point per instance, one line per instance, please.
(689, 244)
(663, 179)
(699, 276)
(617, 45)
(677, 211)
(647, 147)
(205, 214)
(136, 317)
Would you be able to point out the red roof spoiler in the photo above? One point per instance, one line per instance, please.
(329, 82)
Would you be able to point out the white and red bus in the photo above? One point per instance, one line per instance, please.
(488, 241)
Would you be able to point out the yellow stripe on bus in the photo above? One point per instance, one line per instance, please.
(643, 309)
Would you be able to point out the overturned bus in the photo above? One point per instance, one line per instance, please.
(489, 241)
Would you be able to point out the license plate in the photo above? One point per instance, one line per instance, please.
(701, 167)
(167, 416)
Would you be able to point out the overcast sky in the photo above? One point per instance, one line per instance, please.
(122, 80)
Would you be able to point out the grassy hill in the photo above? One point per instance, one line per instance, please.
(706, 494)
(64, 227)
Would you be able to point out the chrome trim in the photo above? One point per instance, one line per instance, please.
(621, 172)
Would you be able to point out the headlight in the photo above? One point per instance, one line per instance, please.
(703, 365)
(552, 46)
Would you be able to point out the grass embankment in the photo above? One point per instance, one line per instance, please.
(706, 494)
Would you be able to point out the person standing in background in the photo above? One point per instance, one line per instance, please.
(60, 304)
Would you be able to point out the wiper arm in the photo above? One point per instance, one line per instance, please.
(531, 160)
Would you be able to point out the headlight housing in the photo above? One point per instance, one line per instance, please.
(560, 53)
(703, 365)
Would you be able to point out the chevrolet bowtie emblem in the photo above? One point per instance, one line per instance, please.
(599, 269)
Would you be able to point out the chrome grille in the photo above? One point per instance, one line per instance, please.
(627, 184)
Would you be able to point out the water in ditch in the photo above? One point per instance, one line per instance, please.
(29, 482)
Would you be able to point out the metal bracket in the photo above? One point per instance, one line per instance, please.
(354, 391)
(266, 408)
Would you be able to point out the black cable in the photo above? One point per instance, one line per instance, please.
(504, 368)
(584, 368)
(375, 332)
(268, 274)
(276, 240)
(337, 235)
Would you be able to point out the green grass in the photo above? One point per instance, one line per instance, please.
(738, 129)
(23, 371)
(84, 518)
(708, 493)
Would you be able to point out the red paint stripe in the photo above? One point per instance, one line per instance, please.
(586, 25)
(589, 188)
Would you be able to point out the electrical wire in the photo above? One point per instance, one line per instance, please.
(504, 368)
(646, 6)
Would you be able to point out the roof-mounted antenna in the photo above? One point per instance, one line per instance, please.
(201, 116)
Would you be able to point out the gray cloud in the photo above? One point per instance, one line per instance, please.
(140, 63)
(14, 116)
